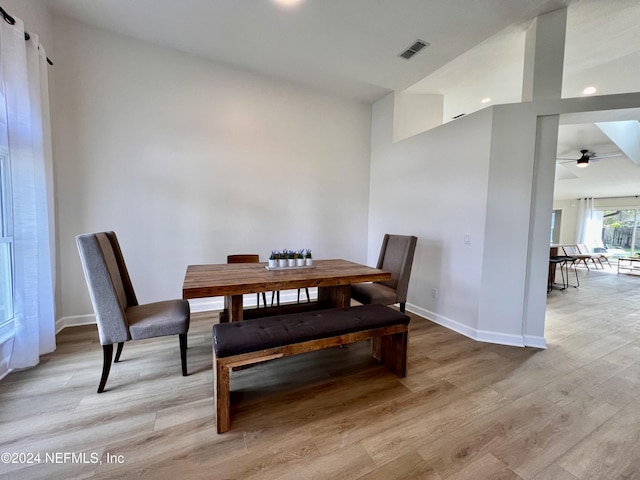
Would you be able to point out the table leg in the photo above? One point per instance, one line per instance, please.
(233, 311)
(338, 296)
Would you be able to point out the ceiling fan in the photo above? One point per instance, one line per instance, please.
(586, 157)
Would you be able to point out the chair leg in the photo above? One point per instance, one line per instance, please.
(402, 305)
(107, 354)
(306, 291)
(118, 352)
(183, 352)
(264, 300)
(275, 294)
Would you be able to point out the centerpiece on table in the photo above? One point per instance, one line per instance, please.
(290, 259)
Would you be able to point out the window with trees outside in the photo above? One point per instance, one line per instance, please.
(620, 230)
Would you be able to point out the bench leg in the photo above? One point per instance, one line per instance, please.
(391, 351)
(221, 396)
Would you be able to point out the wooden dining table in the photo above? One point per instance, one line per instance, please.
(333, 278)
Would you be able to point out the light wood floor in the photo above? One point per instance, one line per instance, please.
(466, 410)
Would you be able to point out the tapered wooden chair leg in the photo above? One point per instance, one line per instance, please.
(107, 354)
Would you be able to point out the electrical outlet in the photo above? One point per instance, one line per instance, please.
(434, 293)
(467, 239)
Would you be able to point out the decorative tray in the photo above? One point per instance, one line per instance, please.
(267, 267)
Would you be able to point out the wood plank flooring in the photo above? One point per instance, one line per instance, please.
(466, 410)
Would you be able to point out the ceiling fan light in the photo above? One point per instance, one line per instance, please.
(583, 162)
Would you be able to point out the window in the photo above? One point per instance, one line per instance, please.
(556, 221)
(6, 242)
(621, 229)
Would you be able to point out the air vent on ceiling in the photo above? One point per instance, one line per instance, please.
(413, 49)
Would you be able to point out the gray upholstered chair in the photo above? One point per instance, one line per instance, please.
(119, 316)
(396, 256)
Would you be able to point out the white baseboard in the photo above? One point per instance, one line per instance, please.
(479, 335)
(444, 321)
(206, 304)
(499, 338)
(74, 321)
(535, 342)
(196, 305)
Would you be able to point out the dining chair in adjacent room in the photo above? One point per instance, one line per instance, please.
(396, 256)
(248, 258)
(119, 316)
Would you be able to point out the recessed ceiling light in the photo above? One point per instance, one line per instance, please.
(288, 3)
(485, 100)
(589, 91)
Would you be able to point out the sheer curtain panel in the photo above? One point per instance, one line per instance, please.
(587, 228)
(23, 71)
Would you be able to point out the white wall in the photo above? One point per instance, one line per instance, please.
(508, 225)
(434, 186)
(415, 113)
(189, 161)
(471, 177)
(569, 220)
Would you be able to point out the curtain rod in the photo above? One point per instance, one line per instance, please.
(609, 198)
(12, 21)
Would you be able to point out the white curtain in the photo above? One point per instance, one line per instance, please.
(23, 68)
(588, 223)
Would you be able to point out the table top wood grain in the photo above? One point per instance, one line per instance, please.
(237, 279)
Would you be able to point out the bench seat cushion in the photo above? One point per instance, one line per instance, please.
(269, 332)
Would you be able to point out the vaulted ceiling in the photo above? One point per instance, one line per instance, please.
(351, 48)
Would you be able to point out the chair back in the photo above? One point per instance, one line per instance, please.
(109, 284)
(396, 256)
(571, 250)
(583, 249)
(243, 258)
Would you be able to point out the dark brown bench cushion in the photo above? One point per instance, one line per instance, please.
(269, 332)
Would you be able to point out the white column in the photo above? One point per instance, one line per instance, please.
(543, 68)
(544, 57)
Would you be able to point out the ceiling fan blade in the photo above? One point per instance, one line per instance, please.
(611, 155)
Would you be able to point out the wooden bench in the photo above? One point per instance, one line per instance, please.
(253, 341)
